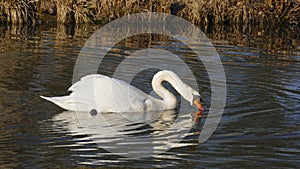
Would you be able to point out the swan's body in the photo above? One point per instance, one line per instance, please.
(107, 94)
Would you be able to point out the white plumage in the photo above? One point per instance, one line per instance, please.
(106, 94)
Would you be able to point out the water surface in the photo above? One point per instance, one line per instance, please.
(260, 125)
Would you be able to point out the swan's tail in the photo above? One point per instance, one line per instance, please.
(65, 102)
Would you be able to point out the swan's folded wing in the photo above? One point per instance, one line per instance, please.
(107, 94)
(86, 80)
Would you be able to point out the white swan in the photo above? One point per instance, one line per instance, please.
(106, 94)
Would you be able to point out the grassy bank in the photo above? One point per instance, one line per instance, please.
(204, 12)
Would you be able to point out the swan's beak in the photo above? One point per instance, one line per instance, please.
(198, 104)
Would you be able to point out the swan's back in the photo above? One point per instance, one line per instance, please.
(103, 93)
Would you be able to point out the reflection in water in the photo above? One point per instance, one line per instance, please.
(134, 135)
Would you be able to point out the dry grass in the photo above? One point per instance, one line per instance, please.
(19, 11)
(205, 12)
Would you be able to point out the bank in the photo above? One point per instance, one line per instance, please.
(201, 12)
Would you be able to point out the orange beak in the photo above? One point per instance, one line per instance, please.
(199, 105)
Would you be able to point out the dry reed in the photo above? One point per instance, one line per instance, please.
(18, 11)
(205, 12)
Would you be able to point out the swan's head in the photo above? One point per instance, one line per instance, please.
(193, 96)
(189, 94)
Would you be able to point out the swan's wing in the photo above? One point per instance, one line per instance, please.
(86, 80)
(108, 94)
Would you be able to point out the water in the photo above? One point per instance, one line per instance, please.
(260, 125)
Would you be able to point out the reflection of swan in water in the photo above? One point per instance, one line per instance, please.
(156, 120)
(106, 94)
(150, 132)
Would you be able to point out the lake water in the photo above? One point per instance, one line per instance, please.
(260, 125)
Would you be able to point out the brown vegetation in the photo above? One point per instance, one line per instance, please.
(18, 11)
(203, 12)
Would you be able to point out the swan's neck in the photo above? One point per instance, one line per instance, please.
(168, 98)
